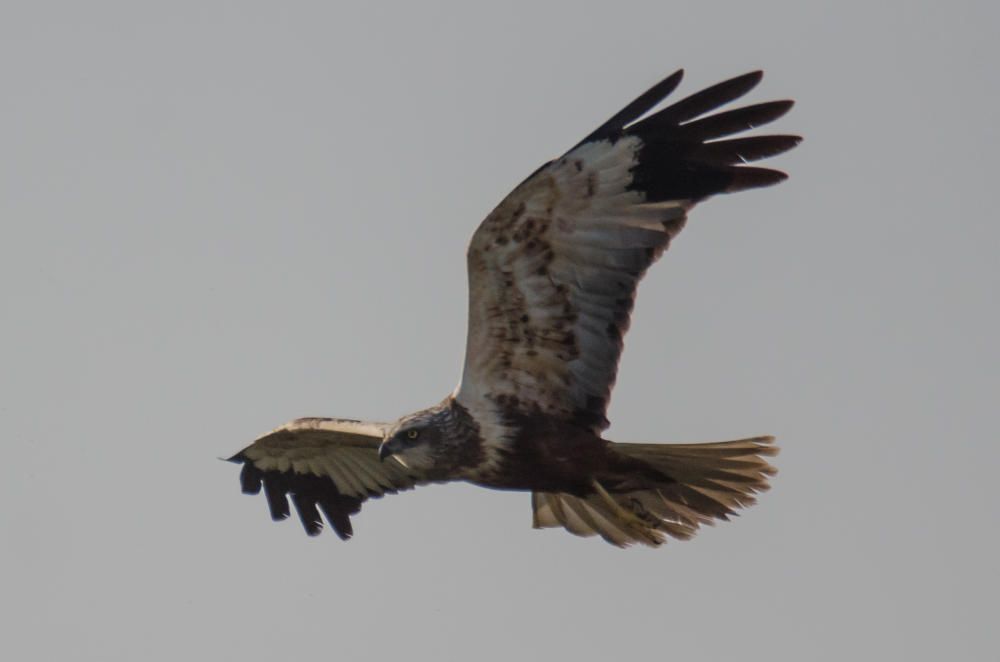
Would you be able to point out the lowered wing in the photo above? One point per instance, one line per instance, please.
(553, 269)
(325, 465)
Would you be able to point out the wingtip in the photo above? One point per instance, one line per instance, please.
(746, 177)
(747, 81)
(779, 108)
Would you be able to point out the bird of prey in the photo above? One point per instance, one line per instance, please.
(552, 274)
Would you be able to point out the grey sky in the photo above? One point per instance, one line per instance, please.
(220, 216)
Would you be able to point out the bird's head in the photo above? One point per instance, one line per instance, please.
(415, 440)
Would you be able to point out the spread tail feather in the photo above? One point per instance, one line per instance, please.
(700, 483)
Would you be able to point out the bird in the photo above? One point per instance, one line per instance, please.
(552, 274)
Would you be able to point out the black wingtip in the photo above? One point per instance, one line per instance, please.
(740, 85)
(710, 98)
(681, 156)
(277, 499)
(737, 120)
(670, 83)
(309, 494)
(251, 479)
(743, 150)
(338, 518)
(308, 513)
(745, 178)
(639, 107)
(643, 103)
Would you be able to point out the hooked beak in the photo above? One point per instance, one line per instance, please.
(388, 448)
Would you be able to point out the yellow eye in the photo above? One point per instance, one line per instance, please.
(412, 434)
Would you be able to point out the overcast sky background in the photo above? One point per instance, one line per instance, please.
(216, 217)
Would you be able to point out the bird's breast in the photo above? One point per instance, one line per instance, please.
(547, 458)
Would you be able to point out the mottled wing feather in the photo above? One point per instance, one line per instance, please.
(553, 269)
(324, 465)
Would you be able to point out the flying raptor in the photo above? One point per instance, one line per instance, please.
(553, 272)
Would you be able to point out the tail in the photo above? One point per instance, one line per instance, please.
(689, 485)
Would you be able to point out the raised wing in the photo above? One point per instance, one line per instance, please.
(553, 269)
(323, 464)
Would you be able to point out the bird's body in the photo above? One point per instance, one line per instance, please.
(553, 272)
